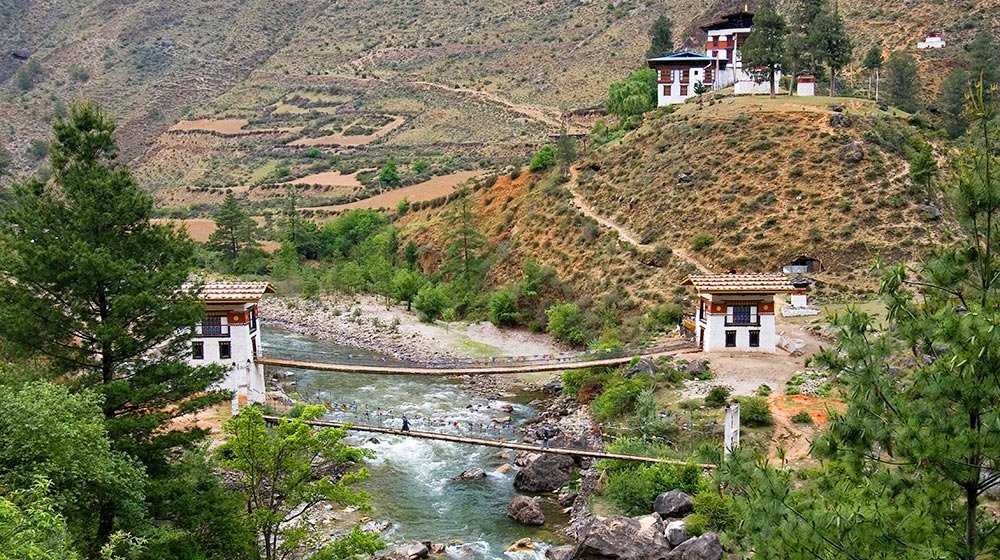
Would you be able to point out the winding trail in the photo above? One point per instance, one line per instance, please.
(581, 203)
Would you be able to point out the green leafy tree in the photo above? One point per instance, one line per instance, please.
(235, 229)
(951, 102)
(764, 50)
(984, 61)
(50, 434)
(566, 323)
(660, 40)
(389, 175)
(431, 301)
(902, 82)
(503, 307)
(633, 96)
(31, 526)
(566, 148)
(88, 282)
(917, 434)
(543, 159)
(406, 284)
(830, 44)
(284, 473)
(873, 64)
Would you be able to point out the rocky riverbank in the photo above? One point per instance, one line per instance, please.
(365, 322)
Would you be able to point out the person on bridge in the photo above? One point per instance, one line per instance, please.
(406, 423)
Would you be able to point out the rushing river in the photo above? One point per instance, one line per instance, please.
(411, 484)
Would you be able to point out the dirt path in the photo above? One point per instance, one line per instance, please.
(547, 115)
(581, 203)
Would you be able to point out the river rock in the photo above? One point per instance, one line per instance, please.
(505, 468)
(545, 474)
(644, 366)
(471, 474)
(673, 504)
(522, 545)
(705, 547)
(414, 551)
(525, 511)
(567, 499)
(375, 526)
(624, 538)
(676, 532)
(564, 552)
(438, 548)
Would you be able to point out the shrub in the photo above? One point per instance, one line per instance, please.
(566, 323)
(663, 316)
(695, 524)
(313, 153)
(431, 301)
(802, 417)
(419, 166)
(618, 398)
(543, 159)
(755, 412)
(701, 241)
(718, 510)
(503, 307)
(574, 379)
(717, 396)
(634, 489)
(764, 390)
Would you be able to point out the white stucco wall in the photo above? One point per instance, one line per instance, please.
(713, 327)
(245, 377)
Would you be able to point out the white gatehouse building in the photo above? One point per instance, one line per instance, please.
(736, 311)
(230, 335)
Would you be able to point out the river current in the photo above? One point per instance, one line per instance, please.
(411, 482)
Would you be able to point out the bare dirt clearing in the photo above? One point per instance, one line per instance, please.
(791, 442)
(222, 126)
(200, 229)
(430, 189)
(329, 179)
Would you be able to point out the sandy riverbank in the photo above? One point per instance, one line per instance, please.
(365, 322)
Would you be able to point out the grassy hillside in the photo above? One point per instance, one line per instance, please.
(749, 183)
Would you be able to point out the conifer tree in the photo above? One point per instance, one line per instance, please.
(951, 102)
(984, 60)
(764, 50)
(88, 282)
(235, 229)
(902, 82)
(661, 42)
(799, 56)
(908, 463)
(464, 260)
(830, 44)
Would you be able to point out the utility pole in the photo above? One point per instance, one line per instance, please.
(731, 439)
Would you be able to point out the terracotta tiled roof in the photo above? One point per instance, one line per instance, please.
(730, 283)
(234, 291)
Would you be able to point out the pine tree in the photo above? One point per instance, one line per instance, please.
(764, 50)
(799, 57)
(873, 64)
(465, 251)
(830, 44)
(918, 434)
(88, 282)
(660, 41)
(984, 60)
(902, 82)
(951, 102)
(235, 229)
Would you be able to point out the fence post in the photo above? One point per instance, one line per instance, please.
(731, 439)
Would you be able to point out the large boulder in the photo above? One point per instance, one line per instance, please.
(471, 474)
(840, 120)
(525, 511)
(623, 538)
(673, 504)
(413, 551)
(705, 547)
(676, 532)
(564, 552)
(547, 473)
(852, 152)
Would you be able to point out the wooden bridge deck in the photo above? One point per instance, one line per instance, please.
(499, 369)
(503, 444)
